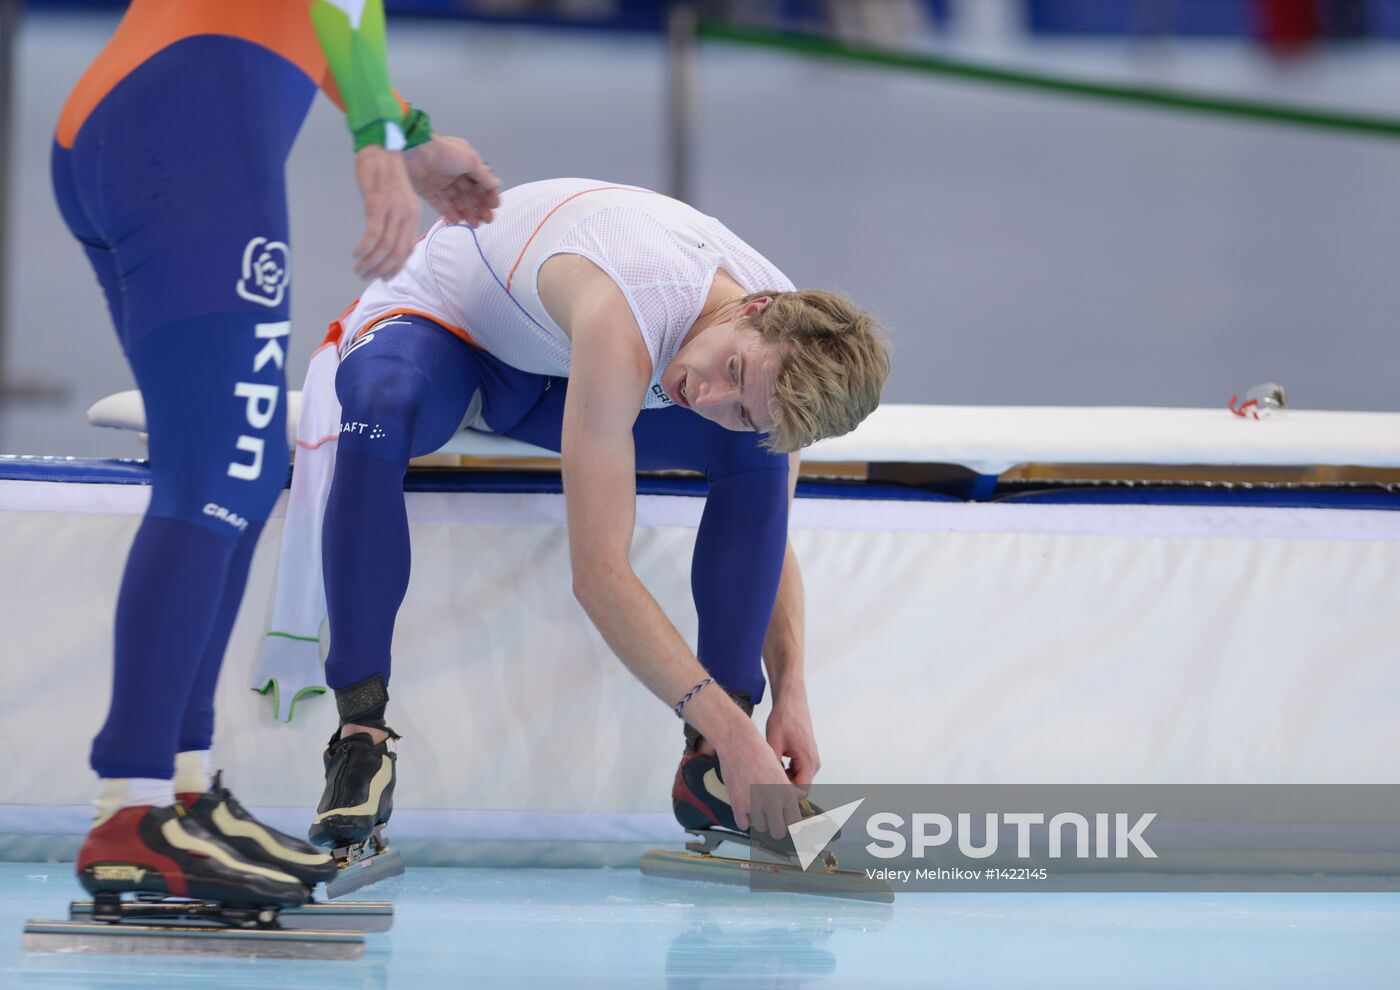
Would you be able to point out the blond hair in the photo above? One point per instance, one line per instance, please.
(835, 363)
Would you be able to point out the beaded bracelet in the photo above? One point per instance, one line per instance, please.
(690, 694)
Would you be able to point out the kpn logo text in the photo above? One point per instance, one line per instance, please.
(1104, 835)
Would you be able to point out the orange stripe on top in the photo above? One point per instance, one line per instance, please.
(150, 26)
(535, 233)
(337, 328)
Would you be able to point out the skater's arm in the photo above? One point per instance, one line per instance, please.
(608, 378)
(352, 38)
(789, 729)
(396, 152)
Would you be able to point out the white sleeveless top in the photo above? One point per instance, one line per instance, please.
(482, 284)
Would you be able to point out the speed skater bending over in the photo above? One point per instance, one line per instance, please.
(629, 332)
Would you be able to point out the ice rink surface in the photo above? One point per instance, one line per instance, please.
(614, 928)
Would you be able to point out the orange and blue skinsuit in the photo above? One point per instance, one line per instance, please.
(168, 166)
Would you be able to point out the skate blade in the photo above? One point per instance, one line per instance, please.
(758, 875)
(363, 872)
(357, 916)
(190, 940)
(349, 916)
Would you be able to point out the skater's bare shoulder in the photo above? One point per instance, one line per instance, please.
(588, 305)
(610, 368)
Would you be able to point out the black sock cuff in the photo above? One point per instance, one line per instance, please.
(364, 702)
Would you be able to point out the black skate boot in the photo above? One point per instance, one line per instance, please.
(359, 795)
(221, 813)
(357, 803)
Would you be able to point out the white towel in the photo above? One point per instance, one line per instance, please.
(289, 665)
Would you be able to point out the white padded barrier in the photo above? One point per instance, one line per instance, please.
(949, 642)
(991, 439)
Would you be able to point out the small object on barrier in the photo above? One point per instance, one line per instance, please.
(1261, 402)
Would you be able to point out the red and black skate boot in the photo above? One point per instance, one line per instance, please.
(701, 804)
(700, 798)
(222, 814)
(166, 852)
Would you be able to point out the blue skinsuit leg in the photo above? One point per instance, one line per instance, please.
(188, 563)
(403, 393)
(174, 186)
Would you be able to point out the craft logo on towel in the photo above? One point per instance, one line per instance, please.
(266, 271)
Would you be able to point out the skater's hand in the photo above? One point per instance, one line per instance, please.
(790, 734)
(391, 212)
(451, 176)
(749, 762)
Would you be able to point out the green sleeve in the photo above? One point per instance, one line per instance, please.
(352, 36)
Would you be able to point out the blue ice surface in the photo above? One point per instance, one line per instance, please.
(470, 928)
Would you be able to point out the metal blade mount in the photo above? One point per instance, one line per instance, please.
(763, 876)
(190, 940)
(350, 916)
(363, 872)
